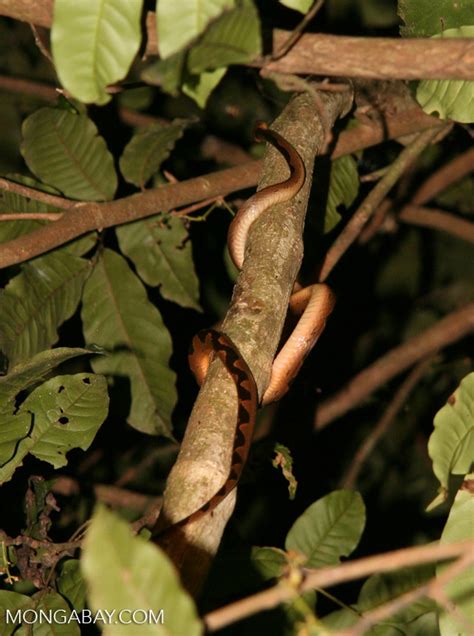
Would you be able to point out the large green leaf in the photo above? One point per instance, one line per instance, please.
(45, 603)
(451, 444)
(64, 413)
(329, 529)
(343, 189)
(423, 18)
(192, 16)
(148, 148)
(450, 99)
(64, 150)
(37, 301)
(94, 43)
(118, 316)
(12, 601)
(160, 249)
(460, 590)
(34, 370)
(382, 588)
(15, 425)
(124, 571)
(234, 38)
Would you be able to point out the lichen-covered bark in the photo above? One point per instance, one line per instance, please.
(254, 322)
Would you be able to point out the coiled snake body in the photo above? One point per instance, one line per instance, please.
(314, 302)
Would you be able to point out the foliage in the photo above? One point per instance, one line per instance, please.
(93, 334)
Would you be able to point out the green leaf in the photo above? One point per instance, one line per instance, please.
(13, 602)
(37, 301)
(234, 38)
(160, 249)
(451, 444)
(382, 588)
(94, 43)
(199, 87)
(71, 585)
(13, 202)
(450, 99)
(64, 413)
(166, 73)
(424, 18)
(343, 189)
(23, 375)
(460, 590)
(284, 460)
(269, 562)
(112, 554)
(302, 6)
(118, 316)
(64, 150)
(329, 529)
(192, 16)
(148, 148)
(52, 603)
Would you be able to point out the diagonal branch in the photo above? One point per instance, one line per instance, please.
(448, 330)
(254, 322)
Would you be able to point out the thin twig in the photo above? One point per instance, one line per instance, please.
(429, 589)
(37, 195)
(438, 220)
(443, 333)
(438, 181)
(384, 422)
(297, 32)
(353, 228)
(36, 216)
(333, 575)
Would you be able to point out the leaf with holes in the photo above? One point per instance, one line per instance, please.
(37, 301)
(160, 249)
(450, 99)
(451, 445)
(343, 189)
(329, 529)
(111, 553)
(34, 370)
(234, 38)
(64, 150)
(148, 148)
(118, 316)
(193, 16)
(93, 44)
(64, 413)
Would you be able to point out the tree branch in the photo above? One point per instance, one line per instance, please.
(254, 322)
(321, 54)
(376, 58)
(372, 201)
(437, 220)
(440, 335)
(333, 575)
(349, 479)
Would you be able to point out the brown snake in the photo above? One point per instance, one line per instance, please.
(314, 302)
